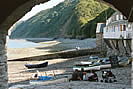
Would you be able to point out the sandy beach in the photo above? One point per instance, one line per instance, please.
(49, 47)
(62, 68)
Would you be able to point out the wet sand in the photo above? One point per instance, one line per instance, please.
(49, 47)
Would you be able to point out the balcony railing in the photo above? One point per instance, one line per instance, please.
(118, 35)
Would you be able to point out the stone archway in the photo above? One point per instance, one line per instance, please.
(124, 6)
(13, 10)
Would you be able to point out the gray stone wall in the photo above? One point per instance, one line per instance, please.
(4, 27)
(3, 61)
(100, 44)
(119, 47)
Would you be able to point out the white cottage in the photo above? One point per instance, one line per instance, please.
(117, 27)
(118, 34)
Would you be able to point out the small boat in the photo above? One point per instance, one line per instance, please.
(41, 80)
(92, 67)
(41, 65)
(86, 62)
(44, 78)
(86, 67)
(83, 63)
(93, 58)
(124, 61)
(105, 66)
(103, 63)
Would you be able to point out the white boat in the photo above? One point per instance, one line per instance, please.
(83, 63)
(90, 67)
(105, 66)
(86, 68)
(86, 62)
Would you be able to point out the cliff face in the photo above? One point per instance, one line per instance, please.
(72, 18)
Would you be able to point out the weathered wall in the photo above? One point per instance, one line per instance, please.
(124, 6)
(3, 61)
(119, 47)
(15, 13)
(12, 11)
(100, 44)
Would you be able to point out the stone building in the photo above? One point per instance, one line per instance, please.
(100, 44)
(118, 35)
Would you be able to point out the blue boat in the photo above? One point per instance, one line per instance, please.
(44, 78)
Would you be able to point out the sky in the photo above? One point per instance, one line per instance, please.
(40, 7)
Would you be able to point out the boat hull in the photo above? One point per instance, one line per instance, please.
(29, 66)
(98, 67)
(87, 68)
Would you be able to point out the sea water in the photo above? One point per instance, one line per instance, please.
(21, 44)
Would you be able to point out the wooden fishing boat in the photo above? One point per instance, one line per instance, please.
(124, 61)
(41, 65)
(83, 63)
(86, 68)
(97, 65)
(105, 66)
(86, 62)
(41, 80)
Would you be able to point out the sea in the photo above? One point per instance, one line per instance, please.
(21, 44)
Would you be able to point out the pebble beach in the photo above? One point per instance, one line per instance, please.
(61, 68)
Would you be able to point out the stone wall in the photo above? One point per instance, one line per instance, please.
(3, 61)
(100, 44)
(16, 12)
(12, 12)
(119, 47)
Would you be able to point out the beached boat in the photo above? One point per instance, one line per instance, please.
(92, 67)
(83, 63)
(105, 66)
(124, 61)
(40, 80)
(93, 58)
(86, 62)
(101, 63)
(41, 65)
(85, 67)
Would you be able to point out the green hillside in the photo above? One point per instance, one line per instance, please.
(72, 18)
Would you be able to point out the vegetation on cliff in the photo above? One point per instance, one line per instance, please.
(71, 18)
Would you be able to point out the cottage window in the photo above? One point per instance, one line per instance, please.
(117, 17)
(120, 27)
(124, 27)
(121, 17)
